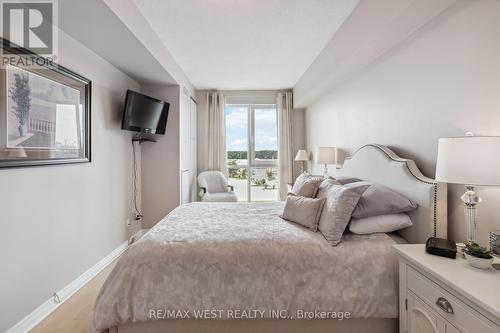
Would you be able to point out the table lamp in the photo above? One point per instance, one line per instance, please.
(326, 156)
(302, 157)
(470, 160)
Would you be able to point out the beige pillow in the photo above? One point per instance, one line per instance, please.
(302, 210)
(337, 210)
(307, 185)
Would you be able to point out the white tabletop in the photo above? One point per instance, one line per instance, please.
(480, 286)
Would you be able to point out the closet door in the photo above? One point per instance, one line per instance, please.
(186, 186)
(193, 139)
(185, 147)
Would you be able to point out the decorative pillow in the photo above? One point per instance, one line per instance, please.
(340, 202)
(380, 223)
(302, 210)
(307, 185)
(381, 200)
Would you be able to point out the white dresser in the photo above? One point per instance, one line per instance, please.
(444, 295)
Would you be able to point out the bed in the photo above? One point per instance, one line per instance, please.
(225, 267)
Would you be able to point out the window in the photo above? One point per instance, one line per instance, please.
(252, 151)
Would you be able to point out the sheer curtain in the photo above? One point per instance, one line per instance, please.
(284, 105)
(216, 157)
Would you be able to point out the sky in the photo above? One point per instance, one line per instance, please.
(266, 132)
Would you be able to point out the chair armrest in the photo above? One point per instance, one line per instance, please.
(231, 187)
(204, 189)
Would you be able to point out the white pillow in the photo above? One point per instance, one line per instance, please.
(380, 223)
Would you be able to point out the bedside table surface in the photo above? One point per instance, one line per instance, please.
(480, 286)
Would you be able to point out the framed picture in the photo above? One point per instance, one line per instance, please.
(44, 114)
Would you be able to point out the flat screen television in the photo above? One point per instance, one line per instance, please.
(144, 114)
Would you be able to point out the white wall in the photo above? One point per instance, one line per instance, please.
(58, 221)
(299, 137)
(160, 162)
(442, 81)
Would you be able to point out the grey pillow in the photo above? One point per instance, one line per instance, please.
(307, 185)
(302, 210)
(381, 200)
(347, 180)
(340, 202)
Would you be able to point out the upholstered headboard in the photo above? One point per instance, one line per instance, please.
(381, 165)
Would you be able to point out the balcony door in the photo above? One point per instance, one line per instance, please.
(252, 151)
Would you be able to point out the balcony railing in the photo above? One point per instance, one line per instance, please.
(41, 126)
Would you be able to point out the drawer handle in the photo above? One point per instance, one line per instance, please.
(444, 305)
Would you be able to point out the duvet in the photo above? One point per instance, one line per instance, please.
(228, 258)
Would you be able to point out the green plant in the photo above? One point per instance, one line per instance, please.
(20, 93)
(266, 154)
(233, 173)
(270, 174)
(259, 182)
(475, 250)
(259, 154)
(237, 155)
(240, 173)
(243, 173)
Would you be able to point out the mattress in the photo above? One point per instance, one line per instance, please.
(242, 261)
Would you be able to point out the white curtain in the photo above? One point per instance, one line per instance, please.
(216, 157)
(284, 104)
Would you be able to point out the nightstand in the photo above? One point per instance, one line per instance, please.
(445, 295)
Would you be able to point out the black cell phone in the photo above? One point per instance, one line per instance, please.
(441, 247)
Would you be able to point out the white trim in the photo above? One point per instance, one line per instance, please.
(138, 235)
(41, 312)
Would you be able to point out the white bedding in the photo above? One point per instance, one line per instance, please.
(237, 256)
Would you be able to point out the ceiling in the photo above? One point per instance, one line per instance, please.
(245, 44)
(105, 27)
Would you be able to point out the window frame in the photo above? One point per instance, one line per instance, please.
(252, 163)
(251, 135)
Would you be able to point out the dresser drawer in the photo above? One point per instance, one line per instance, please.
(463, 317)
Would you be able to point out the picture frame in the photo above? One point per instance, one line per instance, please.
(45, 113)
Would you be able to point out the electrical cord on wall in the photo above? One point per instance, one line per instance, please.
(138, 214)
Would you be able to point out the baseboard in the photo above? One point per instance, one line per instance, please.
(40, 313)
(138, 235)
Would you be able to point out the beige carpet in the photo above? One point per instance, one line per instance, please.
(73, 315)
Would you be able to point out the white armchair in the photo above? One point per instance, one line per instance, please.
(214, 187)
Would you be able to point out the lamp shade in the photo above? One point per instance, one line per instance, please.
(326, 155)
(470, 160)
(301, 155)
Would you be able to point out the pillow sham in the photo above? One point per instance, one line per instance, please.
(303, 211)
(338, 207)
(381, 200)
(380, 223)
(306, 185)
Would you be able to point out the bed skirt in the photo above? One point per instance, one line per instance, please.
(355, 325)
